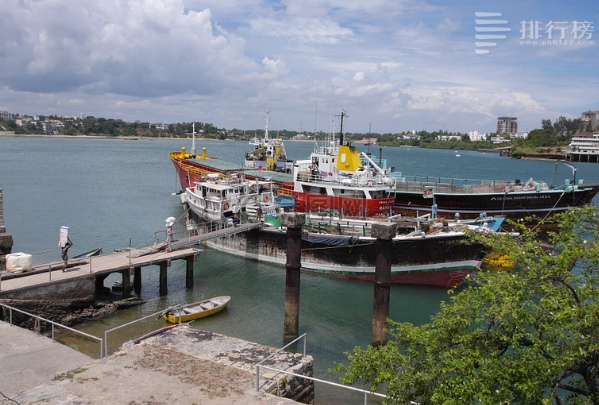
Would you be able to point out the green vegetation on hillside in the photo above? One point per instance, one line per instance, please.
(539, 141)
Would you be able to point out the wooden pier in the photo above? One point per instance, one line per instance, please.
(128, 262)
(94, 270)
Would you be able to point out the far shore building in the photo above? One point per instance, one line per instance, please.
(475, 136)
(507, 125)
(449, 137)
(5, 115)
(584, 148)
(519, 135)
(499, 139)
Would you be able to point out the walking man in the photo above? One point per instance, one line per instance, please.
(65, 256)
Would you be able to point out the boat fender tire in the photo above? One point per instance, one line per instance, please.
(225, 205)
(265, 198)
(370, 182)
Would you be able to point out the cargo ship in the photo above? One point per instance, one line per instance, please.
(337, 178)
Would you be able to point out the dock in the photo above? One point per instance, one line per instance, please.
(86, 276)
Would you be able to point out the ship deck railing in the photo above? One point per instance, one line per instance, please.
(457, 185)
(347, 181)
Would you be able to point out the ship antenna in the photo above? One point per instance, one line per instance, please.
(193, 139)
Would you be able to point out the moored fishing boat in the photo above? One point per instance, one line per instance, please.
(268, 153)
(425, 252)
(226, 198)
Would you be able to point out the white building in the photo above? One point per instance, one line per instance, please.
(475, 136)
(584, 148)
(519, 135)
(450, 138)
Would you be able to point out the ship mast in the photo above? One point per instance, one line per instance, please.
(267, 121)
(343, 114)
(193, 139)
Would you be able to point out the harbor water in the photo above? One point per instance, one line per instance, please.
(115, 193)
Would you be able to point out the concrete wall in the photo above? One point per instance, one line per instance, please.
(80, 287)
(2, 226)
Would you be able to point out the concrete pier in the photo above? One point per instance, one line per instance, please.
(384, 233)
(294, 223)
(181, 366)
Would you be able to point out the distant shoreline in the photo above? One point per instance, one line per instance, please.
(3, 134)
(130, 138)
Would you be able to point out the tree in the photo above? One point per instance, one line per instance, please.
(527, 336)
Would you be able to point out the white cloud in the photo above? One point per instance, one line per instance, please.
(275, 66)
(301, 30)
(449, 25)
(133, 48)
(359, 76)
(402, 64)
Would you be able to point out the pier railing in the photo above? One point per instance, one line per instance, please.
(38, 319)
(260, 365)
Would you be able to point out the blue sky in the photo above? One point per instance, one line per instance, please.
(392, 65)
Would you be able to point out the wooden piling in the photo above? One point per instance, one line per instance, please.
(163, 279)
(137, 280)
(384, 233)
(294, 223)
(126, 282)
(189, 271)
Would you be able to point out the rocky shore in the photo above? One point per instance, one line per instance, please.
(67, 312)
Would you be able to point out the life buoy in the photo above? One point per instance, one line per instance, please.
(370, 182)
(225, 205)
(265, 198)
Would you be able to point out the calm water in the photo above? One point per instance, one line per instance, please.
(116, 193)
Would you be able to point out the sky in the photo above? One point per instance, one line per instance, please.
(393, 66)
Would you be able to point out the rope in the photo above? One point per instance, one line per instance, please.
(9, 399)
(549, 212)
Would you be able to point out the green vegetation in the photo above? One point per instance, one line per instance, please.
(526, 336)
